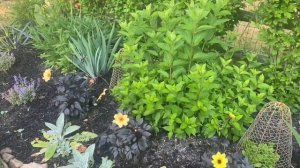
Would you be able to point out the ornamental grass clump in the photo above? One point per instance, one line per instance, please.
(22, 92)
(6, 61)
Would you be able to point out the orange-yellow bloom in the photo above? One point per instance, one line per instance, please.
(47, 75)
(121, 120)
(219, 160)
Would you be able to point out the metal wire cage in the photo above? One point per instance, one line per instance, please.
(270, 126)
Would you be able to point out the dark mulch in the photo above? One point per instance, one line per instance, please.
(20, 125)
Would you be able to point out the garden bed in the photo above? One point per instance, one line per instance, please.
(22, 124)
(194, 77)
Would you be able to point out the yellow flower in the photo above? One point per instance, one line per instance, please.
(231, 116)
(121, 120)
(219, 160)
(47, 75)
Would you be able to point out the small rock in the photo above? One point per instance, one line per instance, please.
(6, 150)
(7, 157)
(34, 165)
(15, 163)
(3, 164)
(42, 97)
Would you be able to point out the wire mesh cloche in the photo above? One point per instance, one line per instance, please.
(270, 127)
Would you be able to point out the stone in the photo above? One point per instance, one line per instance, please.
(7, 157)
(3, 164)
(15, 163)
(34, 165)
(6, 150)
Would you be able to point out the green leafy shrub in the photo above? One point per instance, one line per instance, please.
(23, 11)
(280, 30)
(91, 8)
(242, 90)
(59, 139)
(6, 61)
(122, 9)
(168, 82)
(261, 155)
(94, 54)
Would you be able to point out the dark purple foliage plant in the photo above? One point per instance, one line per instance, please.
(129, 141)
(22, 92)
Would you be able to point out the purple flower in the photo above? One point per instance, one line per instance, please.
(22, 91)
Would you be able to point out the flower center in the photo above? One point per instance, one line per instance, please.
(121, 119)
(219, 161)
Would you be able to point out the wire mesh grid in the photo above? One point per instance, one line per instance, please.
(248, 38)
(117, 72)
(270, 126)
(248, 33)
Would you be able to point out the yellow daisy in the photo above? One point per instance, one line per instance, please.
(219, 160)
(47, 75)
(121, 120)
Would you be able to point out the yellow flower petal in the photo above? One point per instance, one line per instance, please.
(121, 120)
(47, 75)
(219, 160)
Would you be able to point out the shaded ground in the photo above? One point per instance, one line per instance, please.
(20, 125)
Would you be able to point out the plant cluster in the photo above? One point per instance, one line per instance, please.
(13, 36)
(242, 90)
(73, 95)
(128, 141)
(56, 23)
(261, 155)
(122, 9)
(176, 77)
(60, 140)
(6, 61)
(280, 30)
(23, 11)
(94, 53)
(22, 92)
